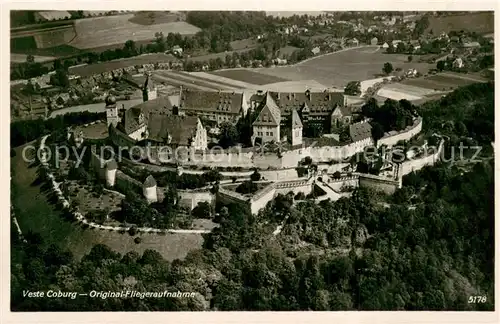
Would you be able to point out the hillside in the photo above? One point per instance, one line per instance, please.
(480, 22)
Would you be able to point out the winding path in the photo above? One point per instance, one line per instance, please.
(80, 218)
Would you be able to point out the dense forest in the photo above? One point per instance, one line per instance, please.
(430, 246)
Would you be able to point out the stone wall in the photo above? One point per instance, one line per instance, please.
(261, 198)
(337, 184)
(378, 183)
(302, 185)
(404, 135)
(417, 164)
(190, 199)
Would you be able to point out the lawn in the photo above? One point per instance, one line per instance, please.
(337, 69)
(34, 213)
(103, 31)
(249, 76)
(243, 44)
(480, 22)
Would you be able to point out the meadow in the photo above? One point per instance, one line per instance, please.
(337, 69)
(480, 22)
(35, 213)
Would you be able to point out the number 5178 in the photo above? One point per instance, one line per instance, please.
(477, 299)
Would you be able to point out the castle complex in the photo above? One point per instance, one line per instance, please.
(275, 117)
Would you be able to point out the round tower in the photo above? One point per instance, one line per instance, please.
(149, 189)
(110, 174)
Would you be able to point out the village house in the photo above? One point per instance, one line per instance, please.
(316, 50)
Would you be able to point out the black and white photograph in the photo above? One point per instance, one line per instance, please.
(251, 161)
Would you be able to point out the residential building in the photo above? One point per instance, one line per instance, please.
(215, 106)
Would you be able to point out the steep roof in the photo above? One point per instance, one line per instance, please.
(344, 110)
(318, 102)
(150, 182)
(160, 104)
(296, 122)
(270, 114)
(360, 131)
(131, 120)
(180, 129)
(211, 101)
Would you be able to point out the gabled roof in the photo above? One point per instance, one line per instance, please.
(211, 101)
(343, 110)
(131, 120)
(270, 114)
(317, 102)
(360, 131)
(296, 122)
(180, 129)
(150, 182)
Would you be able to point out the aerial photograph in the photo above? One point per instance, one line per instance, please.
(184, 161)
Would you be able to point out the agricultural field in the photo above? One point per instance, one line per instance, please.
(398, 91)
(431, 86)
(147, 18)
(480, 22)
(190, 81)
(337, 69)
(444, 81)
(21, 58)
(103, 31)
(35, 213)
(249, 76)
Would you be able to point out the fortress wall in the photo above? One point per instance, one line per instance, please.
(303, 186)
(191, 199)
(404, 135)
(417, 164)
(337, 184)
(379, 183)
(261, 199)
